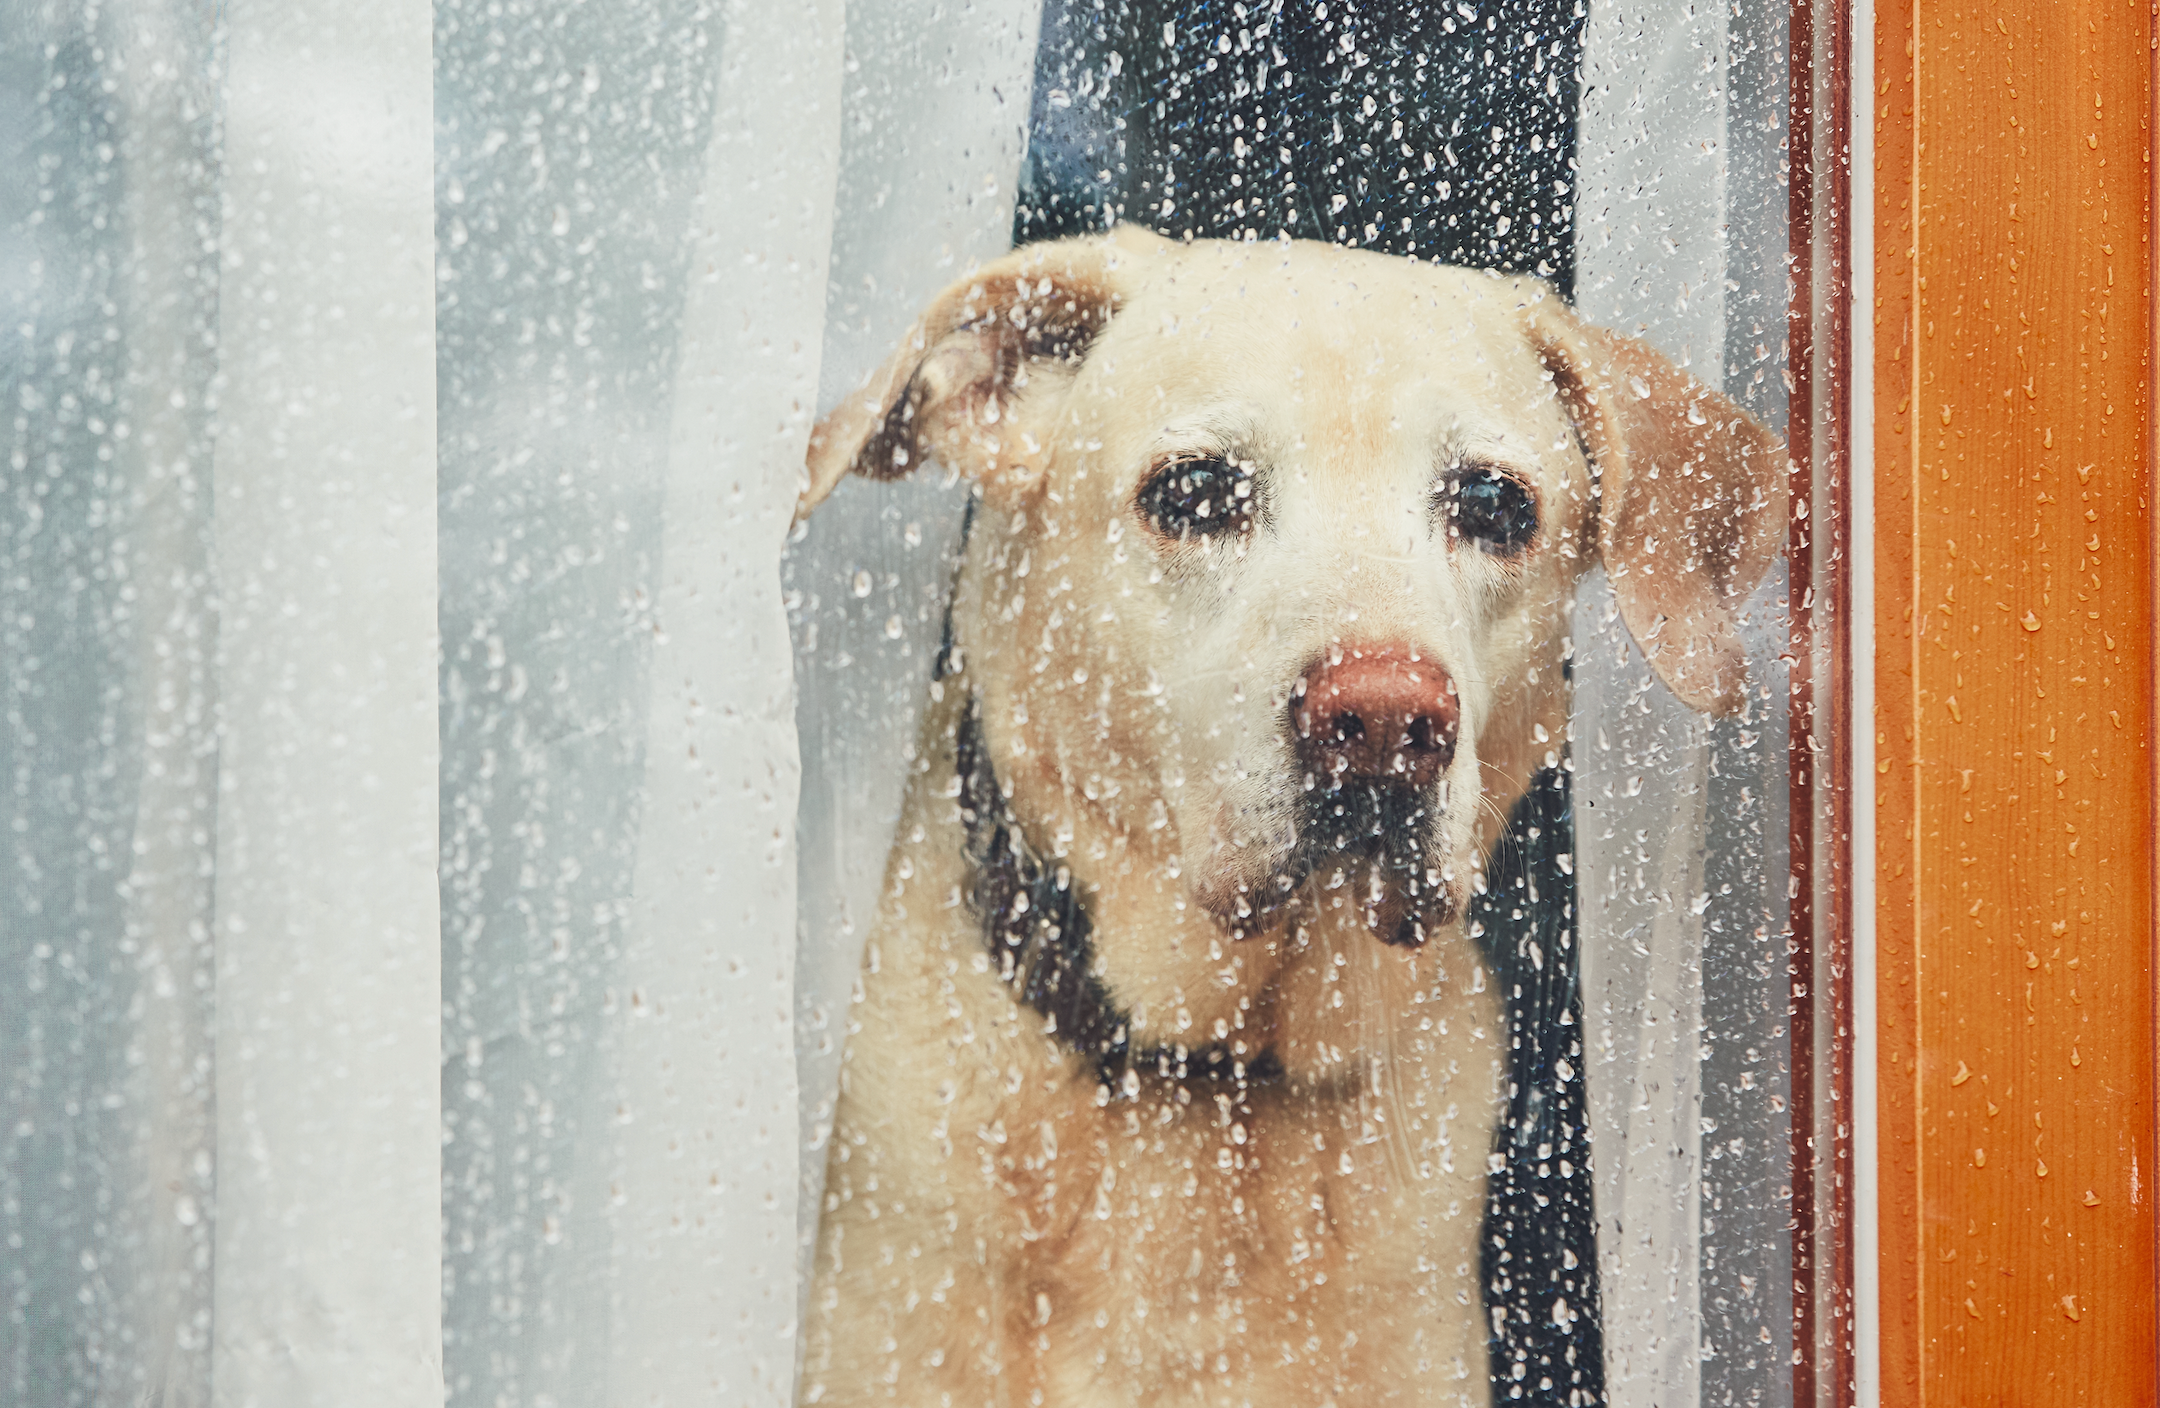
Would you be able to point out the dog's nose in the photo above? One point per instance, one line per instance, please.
(1375, 713)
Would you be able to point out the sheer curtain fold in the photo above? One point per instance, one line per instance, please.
(1679, 240)
(635, 210)
(1650, 259)
(108, 200)
(219, 1177)
(170, 114)
(934, 131)
(327, 1262)
(704, 1259)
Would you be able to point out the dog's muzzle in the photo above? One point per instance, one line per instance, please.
(1374, 729)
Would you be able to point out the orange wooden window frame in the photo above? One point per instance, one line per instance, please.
(2014, 641)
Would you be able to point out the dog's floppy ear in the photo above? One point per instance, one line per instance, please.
(1693, 497)
(1020, 323)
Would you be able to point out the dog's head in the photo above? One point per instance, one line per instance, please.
(1270, 593)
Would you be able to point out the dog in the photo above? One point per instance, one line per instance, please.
(1172, 1073)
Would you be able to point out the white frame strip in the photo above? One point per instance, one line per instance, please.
(1860, 544)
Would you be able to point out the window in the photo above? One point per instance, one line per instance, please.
(1284, 832)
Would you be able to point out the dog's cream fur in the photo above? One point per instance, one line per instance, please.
(1001, 1228)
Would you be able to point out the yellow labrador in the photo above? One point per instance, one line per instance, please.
(1173, 1074)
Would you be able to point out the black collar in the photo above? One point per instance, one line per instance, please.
(1038, 934)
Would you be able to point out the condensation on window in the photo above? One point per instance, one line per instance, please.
(1273, 864)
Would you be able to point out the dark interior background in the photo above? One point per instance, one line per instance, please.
(1444, 131)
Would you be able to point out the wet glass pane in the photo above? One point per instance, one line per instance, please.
(1274, 861)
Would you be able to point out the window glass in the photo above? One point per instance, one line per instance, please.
(1279, 863)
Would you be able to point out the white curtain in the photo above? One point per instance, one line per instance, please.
(934, 128)
(1650, 251)
(327, 1042)
(224, 1135)
(704, 1267)
(1678, 821)
(398, 710)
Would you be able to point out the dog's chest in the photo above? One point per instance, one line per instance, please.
(1306, 1237)
(1275, 1249)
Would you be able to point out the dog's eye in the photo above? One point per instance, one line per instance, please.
(1198, 496)
(1493, 511)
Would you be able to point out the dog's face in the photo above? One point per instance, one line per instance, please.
(1268, 602)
